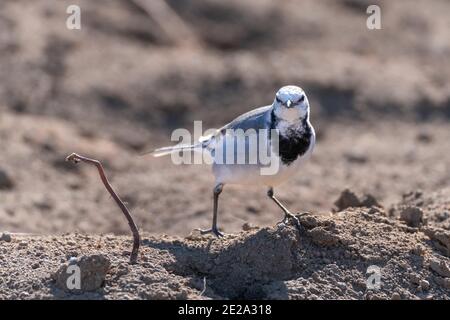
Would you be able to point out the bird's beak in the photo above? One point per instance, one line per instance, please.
(288, 104)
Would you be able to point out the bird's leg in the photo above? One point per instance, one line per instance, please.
(214, 230)
(287, 214)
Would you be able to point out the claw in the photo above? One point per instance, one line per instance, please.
(214, 231)
(303, 214)
(285, 220)
(289, 216)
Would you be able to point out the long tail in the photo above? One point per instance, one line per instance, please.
(168, 150)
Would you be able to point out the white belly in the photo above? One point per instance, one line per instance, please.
(251, 174)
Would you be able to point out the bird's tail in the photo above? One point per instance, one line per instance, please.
(169, 150)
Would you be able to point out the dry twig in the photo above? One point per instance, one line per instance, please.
(170, 23)
(204, 287)
(75, 158)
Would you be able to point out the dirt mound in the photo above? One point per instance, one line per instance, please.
(239, 266)
(348, 199)
(332, 257)
(434, 208)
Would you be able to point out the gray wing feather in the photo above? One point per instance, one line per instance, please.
(254, 119)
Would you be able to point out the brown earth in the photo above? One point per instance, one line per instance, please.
(380, 105)
(330, 258)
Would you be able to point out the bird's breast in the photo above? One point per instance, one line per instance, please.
(293, 143)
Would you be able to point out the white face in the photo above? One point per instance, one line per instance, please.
(291, 104)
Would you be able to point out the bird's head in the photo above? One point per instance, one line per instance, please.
(291, 104)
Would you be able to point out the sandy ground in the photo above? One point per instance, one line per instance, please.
(331, 257)
(380, 103)
(51, 196)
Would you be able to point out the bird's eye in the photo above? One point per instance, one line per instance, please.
(302, 98)
(278, 99)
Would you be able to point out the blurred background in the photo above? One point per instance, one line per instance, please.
(138, 69)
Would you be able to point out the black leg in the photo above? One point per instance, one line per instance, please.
(287, 214)
(214, 230)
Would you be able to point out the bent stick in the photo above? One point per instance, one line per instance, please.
(75, 158)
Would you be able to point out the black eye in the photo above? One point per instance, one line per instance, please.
(301, 99)
(278, 99)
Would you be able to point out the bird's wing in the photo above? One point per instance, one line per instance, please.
(254, 119)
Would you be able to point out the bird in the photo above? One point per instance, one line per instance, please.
(287, 135)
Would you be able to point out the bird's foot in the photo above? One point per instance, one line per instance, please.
(291, 217)
(302, 214)
(214, 231)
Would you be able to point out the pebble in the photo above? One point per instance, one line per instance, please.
(23, 244)
(93, 270)
(414, 278)
(248, 227)
(6, 182)
(6, 237)
(395, 296)
(413, 216)
(424, 284)
(24, 295)
(440, 267)
(73, 260)
(342, 285)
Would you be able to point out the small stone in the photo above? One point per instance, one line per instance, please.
(354, 157)
(6, 183)
(6, 237)
(248, 227)
(122, 269)
(346, 200)
(414, 278)
(73, 260)
(342, 285)
(370, 201)
(24, 295)
(413, 216)
(419, 250)
(441, 239)
(396, 296)
(23, 244)
(376, 210)
(443, 282)
(440, 267)
(93, 270)
(424, 284)
(424, 137)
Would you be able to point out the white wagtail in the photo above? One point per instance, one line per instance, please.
(288, 116)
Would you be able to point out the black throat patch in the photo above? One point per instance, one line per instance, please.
(293, 143)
